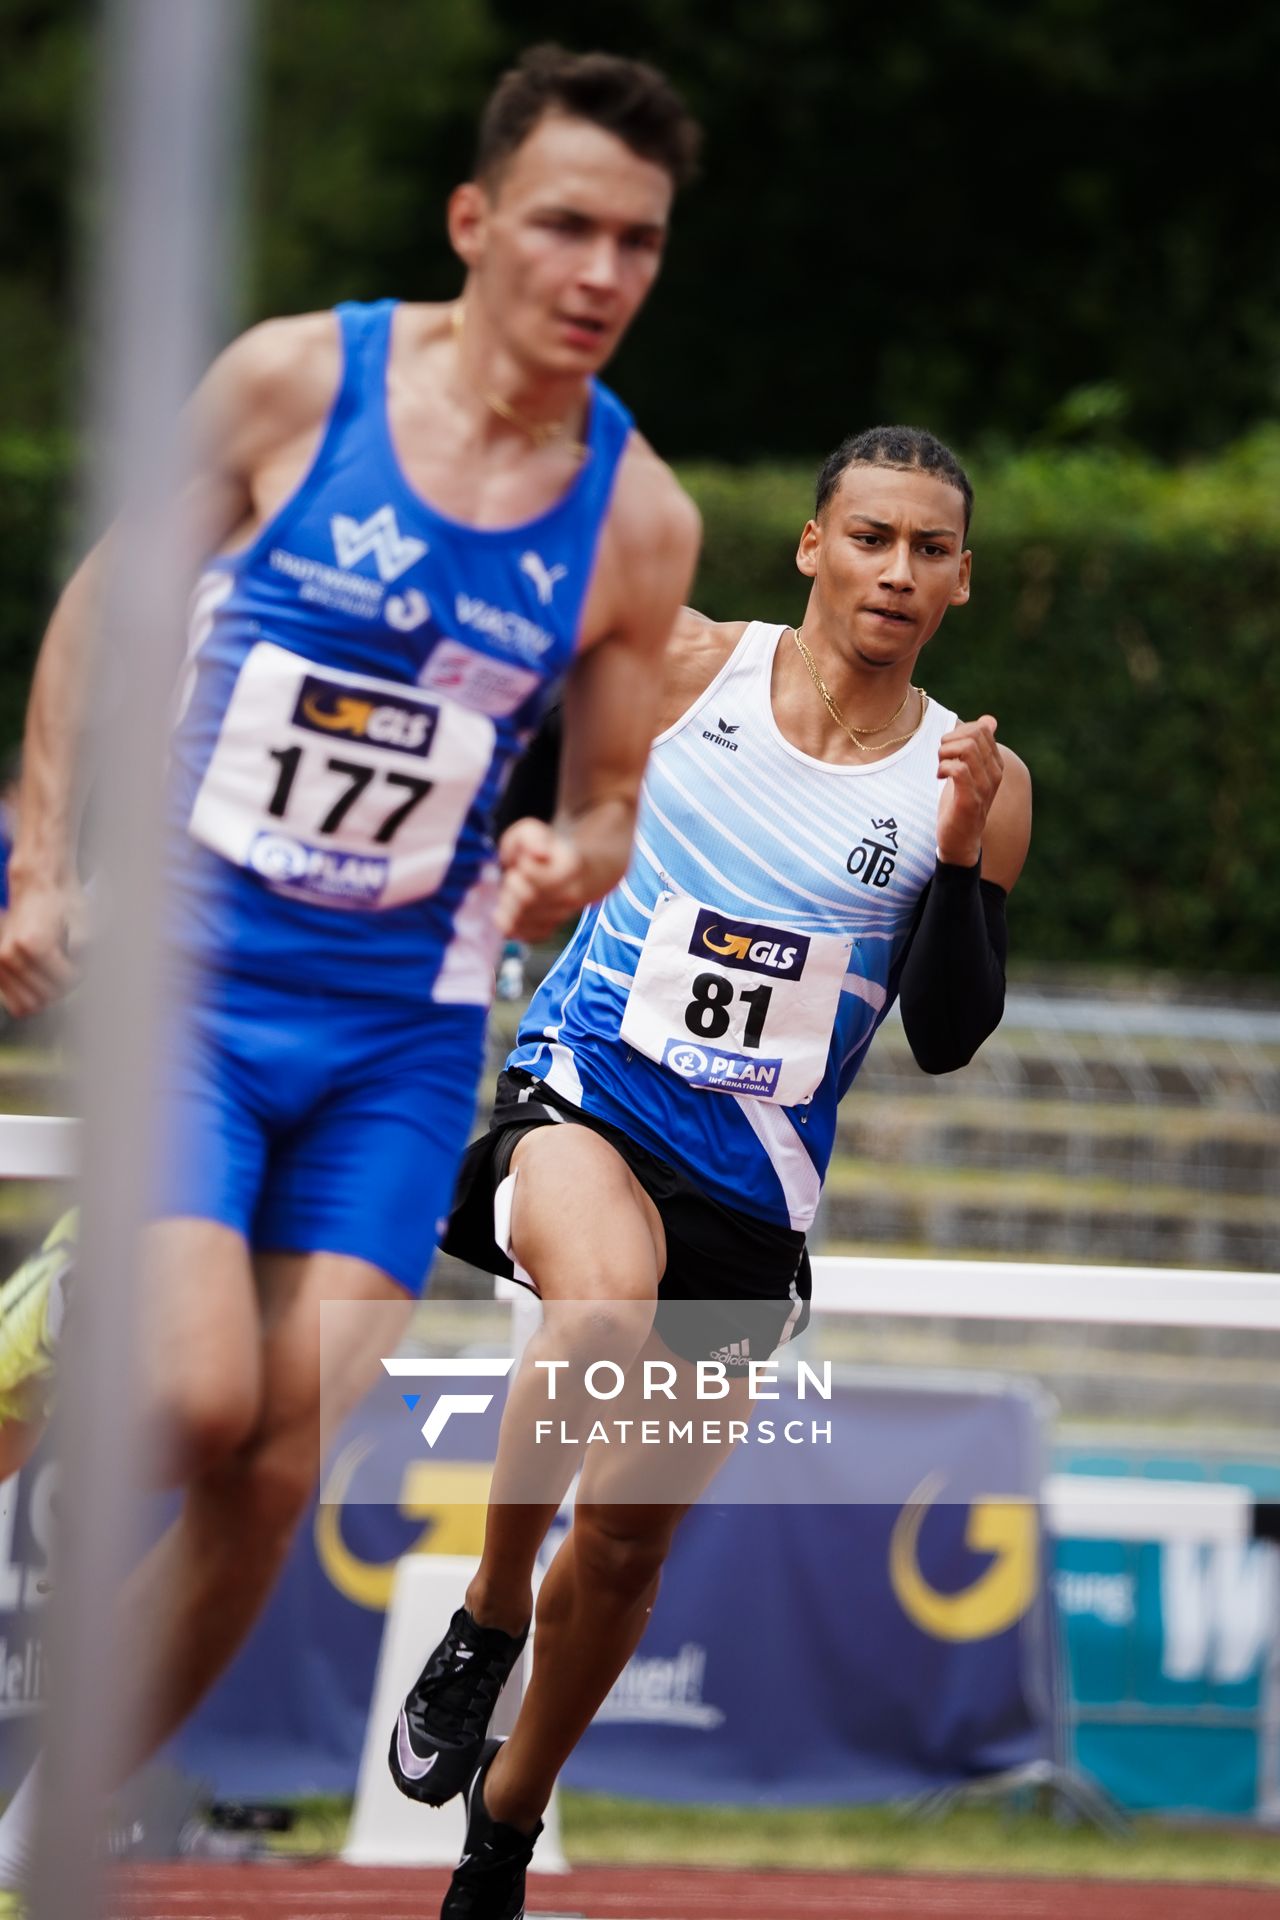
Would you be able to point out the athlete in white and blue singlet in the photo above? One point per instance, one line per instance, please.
(815, 837)
(422, 519)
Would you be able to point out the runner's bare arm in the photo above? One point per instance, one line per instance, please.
(611, 706)
(250, 422)
(697, 650)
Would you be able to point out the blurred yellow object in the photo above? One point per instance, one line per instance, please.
(32, 1303)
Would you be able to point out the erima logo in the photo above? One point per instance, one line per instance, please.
(545, 579)
(744, 943)
(393, 552)
(405, 725)
(449, 1403)
(721, 739)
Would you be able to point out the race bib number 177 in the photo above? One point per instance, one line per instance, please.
(338, 788)
(735, 1006)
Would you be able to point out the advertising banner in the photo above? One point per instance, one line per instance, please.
(1174, 1652)
(798, 1653)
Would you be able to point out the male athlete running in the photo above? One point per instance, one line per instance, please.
(815, 837)
(420, 519)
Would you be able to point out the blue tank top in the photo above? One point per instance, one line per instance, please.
(757, 934)
(359, 681)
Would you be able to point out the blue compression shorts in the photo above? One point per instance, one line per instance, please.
(317, 1123)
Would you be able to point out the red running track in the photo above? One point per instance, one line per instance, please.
(291, 1891)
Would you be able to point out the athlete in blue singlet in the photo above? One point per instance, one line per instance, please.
(422, 519)
(816, 837)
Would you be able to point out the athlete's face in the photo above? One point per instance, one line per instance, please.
(564, 245)
(887, 558)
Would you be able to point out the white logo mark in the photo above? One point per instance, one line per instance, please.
(410, 1763)
(544, 578)
(450, 1403)
(277, 857)
(379, 535)
(405, 611)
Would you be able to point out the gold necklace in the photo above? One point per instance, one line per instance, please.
(543, 433)
(880, 746)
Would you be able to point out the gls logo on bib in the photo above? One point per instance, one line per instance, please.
(327, 706)
(747, 944)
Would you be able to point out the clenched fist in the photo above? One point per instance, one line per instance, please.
(971, 764)
(544, 880)
(41, 940)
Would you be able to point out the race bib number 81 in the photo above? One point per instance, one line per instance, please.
(338, 788)
(735, 1006)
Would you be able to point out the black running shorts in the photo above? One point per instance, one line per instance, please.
(751, 1278)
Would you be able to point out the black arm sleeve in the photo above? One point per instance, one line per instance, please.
(535, 778)
(951, 980)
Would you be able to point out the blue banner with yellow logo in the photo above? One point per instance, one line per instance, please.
(810, 1653)
(798, 1653)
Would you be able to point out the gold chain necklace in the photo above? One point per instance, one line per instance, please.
(543, 433)
(880, 746)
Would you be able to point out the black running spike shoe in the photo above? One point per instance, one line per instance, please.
(488, 1881)
(439, 1733)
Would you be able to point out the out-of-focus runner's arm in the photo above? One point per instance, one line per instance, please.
(246, 425)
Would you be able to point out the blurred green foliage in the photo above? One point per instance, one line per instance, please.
(1047, 227)
(983, 217)
(1124, 629)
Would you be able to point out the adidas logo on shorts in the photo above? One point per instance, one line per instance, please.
(736, 1354)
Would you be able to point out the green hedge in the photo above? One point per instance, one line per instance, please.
(1124, 628)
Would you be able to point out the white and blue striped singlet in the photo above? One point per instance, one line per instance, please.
(735, 816)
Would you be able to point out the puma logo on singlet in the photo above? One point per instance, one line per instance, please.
(545, 578)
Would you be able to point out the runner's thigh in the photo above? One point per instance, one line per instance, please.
(645, 1464)
(582, 1226)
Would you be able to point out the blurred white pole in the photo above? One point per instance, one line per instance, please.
(174, 83)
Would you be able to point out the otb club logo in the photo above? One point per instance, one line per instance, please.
(875, 857)
(747, 944)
